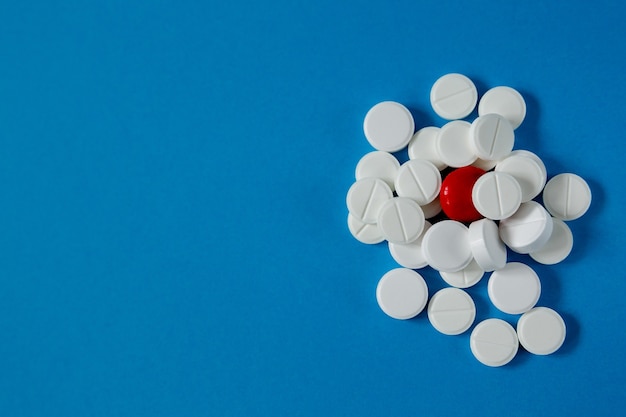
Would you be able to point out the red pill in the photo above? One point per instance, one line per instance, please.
(456, 194)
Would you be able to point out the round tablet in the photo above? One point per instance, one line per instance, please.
(484, 164)
(432, 209)
(410, 255)
(446, 246)
(401, 220)
(494, 342)
(388, 126)
(506, 102)
(514, 289)
(541, 331)
(453, 96)
(465, 278)
(529, 172)
(419, 180)
(488, 249)
(528, 230)
(366, 197)
(496, 195)
(451, 311)
(402, 293)
(453, 144)
(567, 196)
(368, 233)
(378, 164)
(456, 194)
(423, 145)
(558, 247)
(492, 137)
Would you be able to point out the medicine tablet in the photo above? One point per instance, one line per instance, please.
(418, 180)
(514, 289)
(541, 331)
(401, 220)
(366, 197)
(528, 230)
(432, 209)
(423, 145)
(492, 137)
(558, 247)
(484, 164)
(451, 311)
(402, 293)
(488, 249)
(567, 196)
(388, 126)
(506, 102)
(465, 278)
(494, 342)
(496, 195)
(446, 246)
(529, 171)
(453, 144)
(453, 96)
(410, 255)
(378, 164)
(367, 233)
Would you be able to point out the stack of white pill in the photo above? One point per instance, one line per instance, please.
(392, 201)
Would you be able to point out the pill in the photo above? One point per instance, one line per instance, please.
(378, 164)
(432, 209)
(492, 136)
(388, 126)
(366, 197)
(451, 311)
(528, 170)
(402, 293)
(453, 144)
(506, 102)
(446, 246)
(453, 96)
(368, 233)
(567, 196)
(514, 289)
(488, 249)
(558, 247)
(410, 255)
(401, 220)
(528, 230)
(484, 164)
(419, 180)
(423, 145)
(541, 331)
(465, 278)
(496, 195)
(456, 194)
(494, 342)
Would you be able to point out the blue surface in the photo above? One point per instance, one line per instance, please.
(173, 235)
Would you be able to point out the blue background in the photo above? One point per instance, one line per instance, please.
(173, 236)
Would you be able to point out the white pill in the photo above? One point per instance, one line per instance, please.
(541, 331)
(494, 342)
(367, 233)
(492, 137)
(514, 289)
(558, 247)
(488, 249)
(419, 180)
(401, 220)
(402, 293)
(453, 144)
(496, 195)
(484, 164)
(451, 311)
(423, 145)
(528, 230)
(446, 246)
(388, 126)
(528, 170)
(453, 96)
(410, 255)
(366, 197)
(567, 196)
(378, 164)
(466, 277)
(506, 102)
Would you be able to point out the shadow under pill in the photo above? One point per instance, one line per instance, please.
(572, 334)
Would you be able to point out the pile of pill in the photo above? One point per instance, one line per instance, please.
(480, 195)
